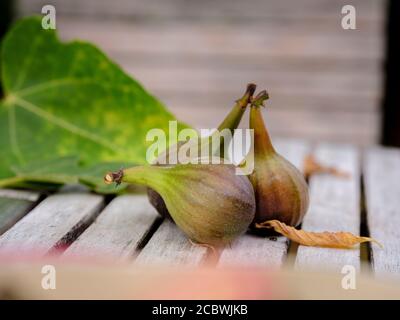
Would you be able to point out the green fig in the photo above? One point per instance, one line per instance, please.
(209, 202)
(230, 122)
(280, 188)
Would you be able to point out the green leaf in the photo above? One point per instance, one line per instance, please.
(68, 99)
(93, 176)
(53, 173)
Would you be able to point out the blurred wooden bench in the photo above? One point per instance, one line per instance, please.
(129, 229)
(325, 83)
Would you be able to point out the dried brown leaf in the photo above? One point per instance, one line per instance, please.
(343, 240)
(313, 166)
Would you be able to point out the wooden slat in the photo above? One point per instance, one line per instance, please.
(382, 193)
(251, 250)
(279, 100)
(20, 194)
(169, 246)
(11, 210)
(253, 62)
(225, 39)
(14, 204)
(56, 221)
(118, 230)
(334, 206)
(297, 83)
(293, 150)
(340, 126)
(233, 10)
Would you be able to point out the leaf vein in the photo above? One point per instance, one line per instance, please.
(62, 82)
(13, 134)
(66, 125)
(24, 69)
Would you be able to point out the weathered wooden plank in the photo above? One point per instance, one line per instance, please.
(382, 195)
(224, 39)
(253, 62)
(330, 125)
(233, 10)
(298, 83)
(20, 194)
(56, 221)
(14, 204)
(280, 102)
(252, 250)
(169, 246)
(11, 210)
(118, 230)
(334, 206)
(336, 126)
(293, 150)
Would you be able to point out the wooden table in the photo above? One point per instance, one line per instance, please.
(128, 228)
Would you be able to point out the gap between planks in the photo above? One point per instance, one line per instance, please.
(382, 195)
(334, 206)
(119, 231)
(14, 204)
(53, 223)
(332, 197)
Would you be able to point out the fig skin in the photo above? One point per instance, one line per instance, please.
(231, 122)
(211, 204)
(280, 188)
(154, 197)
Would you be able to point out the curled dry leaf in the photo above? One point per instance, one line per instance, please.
(313, 166)
(343, 240)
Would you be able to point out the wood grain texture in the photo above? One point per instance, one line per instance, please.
(169, 246)
(20, 194)
(334, 206)
(251, 250)
(56, 221)
(334, 126)
(11, 210)
(233, 10)
(118, 229)
(225, 39)
(304, 83)
(292, 149)
(382, 195)
(255, 251)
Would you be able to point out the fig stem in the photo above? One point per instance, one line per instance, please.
(232, 120)
(258, 100)
(114, 177)
(262, 140)
(144, 175)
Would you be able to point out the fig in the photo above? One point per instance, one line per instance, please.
(280, 188)
(209, 202)
(230, 122)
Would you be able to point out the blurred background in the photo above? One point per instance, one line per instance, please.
(325, 83)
